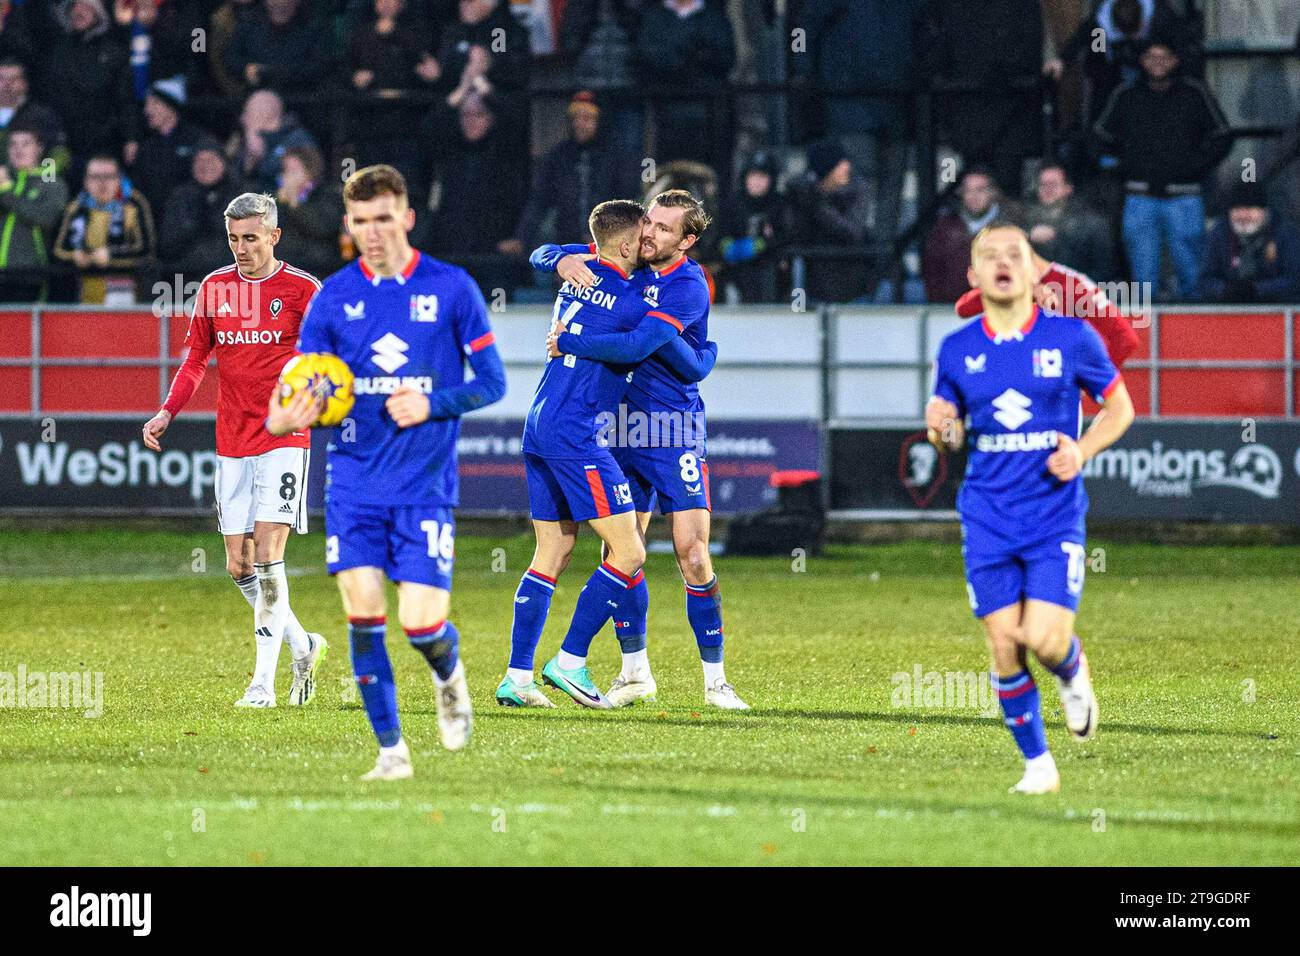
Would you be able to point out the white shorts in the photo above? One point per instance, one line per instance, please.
(270, 487)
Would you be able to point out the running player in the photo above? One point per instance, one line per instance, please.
(406, 324)
(675, 471)
(247, 315)
(572, 474)
(1013, 379)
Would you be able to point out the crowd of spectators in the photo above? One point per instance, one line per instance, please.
(127, 125)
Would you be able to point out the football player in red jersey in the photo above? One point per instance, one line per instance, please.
(247, 315)
(1065, 291)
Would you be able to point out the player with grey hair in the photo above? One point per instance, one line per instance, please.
(247, 314)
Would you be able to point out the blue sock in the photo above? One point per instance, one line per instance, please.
(375, 677)
(532, 604)
(440, 645)
(598, 602)
(1018, 695)
(1069, 665)
(704, 611)
(630, 622)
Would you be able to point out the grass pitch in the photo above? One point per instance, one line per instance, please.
(1193, 651)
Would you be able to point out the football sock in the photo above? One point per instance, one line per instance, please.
(268, 621)
(374, 676)
(630, 629)
(704, 611)
(440, 645)
(295, 635)
(532, 604)
(598, 602)
(1069, 664)
(1018, 695)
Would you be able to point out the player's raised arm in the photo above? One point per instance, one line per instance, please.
(687, 363)
(187, 378)
(568, 261)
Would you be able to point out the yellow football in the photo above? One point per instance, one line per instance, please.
(327, 377)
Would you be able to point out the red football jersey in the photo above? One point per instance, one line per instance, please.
(1079, 297)
(251, 326)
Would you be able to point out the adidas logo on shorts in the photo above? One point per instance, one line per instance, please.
(286, 508)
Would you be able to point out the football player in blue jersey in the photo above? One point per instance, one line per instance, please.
(670, 468)
(405, 324)
(572, 474)
(1007, 384)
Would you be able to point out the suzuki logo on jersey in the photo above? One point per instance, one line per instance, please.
(354, 312)
(1047, 363)
(976, 363)
(389, 352)
(1012, 409)
(424, 308)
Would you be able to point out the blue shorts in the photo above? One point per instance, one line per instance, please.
(415, 543)
(677, 478)
(576, 489)
(1000, 573)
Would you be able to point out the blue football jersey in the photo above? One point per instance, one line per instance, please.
(416, 329)
(679, 294)
(564, 418)
(1017, 391)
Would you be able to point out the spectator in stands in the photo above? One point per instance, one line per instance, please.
(998, 46)
(87, 81)
(386, 56)
(1111, 40)
(854, 45)
(482, 181)
(107, 231)
(571, 178)
(1064, 228)
(162, 39)
(1169, 134)
(311, 213)
(15, 33)
(1252, 255)
(597, 36)
(30, 206)
(192, 237)
(163, 161)
(685, 46)
(486, 51)
(947, 245)
(266, 133)
(833, 205)
(18, 110)
(222, 26)
(753, 226)
(280, 46)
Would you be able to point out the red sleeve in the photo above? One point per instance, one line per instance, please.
(1111, 324)
(970, 305)
(191, 372)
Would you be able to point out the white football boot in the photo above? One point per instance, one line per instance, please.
(723, 695)
(303, 688)
(1041, 776)
(1079, 702)
(256, 696)
(624, 691)
(394, 763)
(455, 713)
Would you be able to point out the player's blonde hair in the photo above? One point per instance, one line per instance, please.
(998, 224)
(694, 220)
(248, 205)
(371, 181)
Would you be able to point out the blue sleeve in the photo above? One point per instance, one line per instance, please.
(622, 348)
(1094, 371)
(315, 333)
(945, 383)
(478, 342)
(688, 364)
(687, 302)
(546, 257)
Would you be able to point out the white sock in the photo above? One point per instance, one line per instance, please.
(1043, 761)
(295, 635)
(713, 673)
(269, 618)
(636, 665)
(521, 677)
(568, 662)
(398, 748)
(439, 682)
